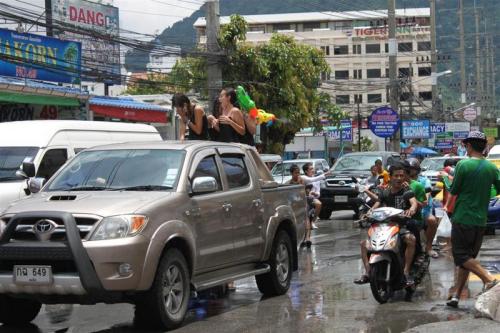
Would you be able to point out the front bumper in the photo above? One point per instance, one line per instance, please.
(334, 197)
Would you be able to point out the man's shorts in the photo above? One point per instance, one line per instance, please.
(466, 241)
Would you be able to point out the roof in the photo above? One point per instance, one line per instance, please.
(32, 86)
(169, 144)
(304, 160)
(38, 133)
(125, 102)
(321, 16)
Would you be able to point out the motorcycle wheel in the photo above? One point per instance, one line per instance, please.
(381, 290)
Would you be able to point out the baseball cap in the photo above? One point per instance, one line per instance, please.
(475, 135)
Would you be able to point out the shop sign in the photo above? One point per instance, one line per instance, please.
(443, 144)
(437, 127)
(458, 127)
(334, 133)
(490, 132)
(460, 135)
(415, 129)
(384, 122)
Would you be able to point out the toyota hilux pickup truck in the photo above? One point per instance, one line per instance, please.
(148, 224)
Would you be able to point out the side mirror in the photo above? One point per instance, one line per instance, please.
(35, 184)
(204, 185)
(29, 169)
(21, 174)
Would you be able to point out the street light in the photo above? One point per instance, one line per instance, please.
(434, 76)
(463, 107)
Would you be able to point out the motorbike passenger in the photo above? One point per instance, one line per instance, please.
(310, 216)
(309, 178)
(397, 195)
(295, 173)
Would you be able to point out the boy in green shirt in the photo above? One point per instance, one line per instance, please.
(472, 183)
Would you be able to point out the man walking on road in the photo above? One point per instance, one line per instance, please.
(472, 184)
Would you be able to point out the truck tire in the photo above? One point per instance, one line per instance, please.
(277, 280)
(325, 213)
(165, 304)
(18, 311)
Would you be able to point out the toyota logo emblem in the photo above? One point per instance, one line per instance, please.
(341, 183)
(44, 228)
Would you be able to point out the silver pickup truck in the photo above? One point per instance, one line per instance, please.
(148, 224)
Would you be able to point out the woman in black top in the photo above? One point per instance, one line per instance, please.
(230, 125)
(192, 116)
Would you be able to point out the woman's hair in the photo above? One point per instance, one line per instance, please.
(232, 96)
(306, 166)
(181, 100)
(216, 105)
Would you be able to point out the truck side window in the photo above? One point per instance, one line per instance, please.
(236, 170)
(51, 162)
(208, 168)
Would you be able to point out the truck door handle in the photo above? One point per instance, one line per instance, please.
(257, 203)
(227, 207)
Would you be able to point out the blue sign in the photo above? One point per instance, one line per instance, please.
(38, 57)
(438, 128)
(346, 129)
(443, 144)
(460, 135)
(384, 122)
(415, 129)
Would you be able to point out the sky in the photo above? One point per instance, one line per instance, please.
(144, 16)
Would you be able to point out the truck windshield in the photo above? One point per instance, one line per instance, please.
(283, 169)
(434, 164)
(11, 159)
(356, 162)
(133, 170)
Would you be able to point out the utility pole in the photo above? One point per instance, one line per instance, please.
(393, 66)
(358, 101)
(493, 97)
(214, 71)
(48, 18)
(435, 115)
(463, 84)
(479, 83)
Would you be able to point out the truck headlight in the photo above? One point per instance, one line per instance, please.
(322, 184)
(119, 226)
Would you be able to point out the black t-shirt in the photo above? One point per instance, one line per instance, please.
(396, 200)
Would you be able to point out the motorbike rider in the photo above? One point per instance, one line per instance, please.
(430, 223)
(309, 178)
(397, 195)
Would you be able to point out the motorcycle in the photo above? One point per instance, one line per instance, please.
(493, 221)
(386, 255)
(363, 202)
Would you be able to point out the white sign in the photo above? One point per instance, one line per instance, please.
(457, 127)
(470, 114)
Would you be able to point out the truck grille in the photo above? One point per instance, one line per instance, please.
(25, 232)
(346, 182)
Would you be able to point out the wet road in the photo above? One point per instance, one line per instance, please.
(322, 298)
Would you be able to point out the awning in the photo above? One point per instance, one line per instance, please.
(129, 109)
(13, 97)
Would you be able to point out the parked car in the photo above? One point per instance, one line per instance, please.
(50, 143)
(281, 171)
(147, 223)
(494, 155)
(271, 160)
(338, 192)
(431, 167)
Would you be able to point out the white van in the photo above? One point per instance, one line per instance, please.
(50, 143)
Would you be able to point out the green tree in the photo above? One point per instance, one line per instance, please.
(281, 76)
(154, 84)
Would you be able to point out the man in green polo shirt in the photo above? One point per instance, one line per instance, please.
(472, 183)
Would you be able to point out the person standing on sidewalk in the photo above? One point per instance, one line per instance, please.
(472, 184)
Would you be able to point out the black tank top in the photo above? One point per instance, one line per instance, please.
(204, 128)
(227, 134)
(247, 138)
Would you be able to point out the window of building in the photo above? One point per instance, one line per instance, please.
(342, 99)
(372, 48)
(309, 26)
(405, 47)
(281, 26)
(404, 72)
(374, 98)
(386, 48)
(342, 25)
(387, 72)
(256, 28)
(326, 50)
(404, 96)
(341, 49)
(358, 98)
(342, 75)
(325, 76)
(426, 95)
(424, 71)
(208, 168)
(357, 74)
(356, 49)
(373, 73)
(424, 46)
(235, 170)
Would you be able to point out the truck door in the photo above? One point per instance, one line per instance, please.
(243, 206)
(213, 233)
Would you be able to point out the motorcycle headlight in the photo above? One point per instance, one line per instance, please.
(119, 226)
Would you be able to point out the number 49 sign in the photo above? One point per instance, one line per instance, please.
(48, 112)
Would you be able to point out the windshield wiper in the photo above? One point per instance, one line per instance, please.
(81, 188)
(9, 178)
(143, 188)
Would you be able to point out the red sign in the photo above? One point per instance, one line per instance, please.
(146, 116)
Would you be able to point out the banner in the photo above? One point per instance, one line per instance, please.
(334, 133)
(38, 57)
(384, 122)
(415, 129)
(438, 128)
(443, 144)
(101, 55)
(457, 127)
(490, 132)
(460, 135)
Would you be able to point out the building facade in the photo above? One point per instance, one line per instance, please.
(355, 45)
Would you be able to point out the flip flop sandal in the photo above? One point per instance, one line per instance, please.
(362, 280)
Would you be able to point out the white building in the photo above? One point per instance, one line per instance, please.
(162, 60)
(356, 47)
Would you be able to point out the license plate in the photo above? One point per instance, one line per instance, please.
(341, 198)
(30, 274)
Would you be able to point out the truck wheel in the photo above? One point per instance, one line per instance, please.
(277, 281)
(18, 311)
(165, 304)
(325, 213)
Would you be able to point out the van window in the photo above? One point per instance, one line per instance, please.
(51, 162)
(11, 159)
(208, 168)
(236, 170)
